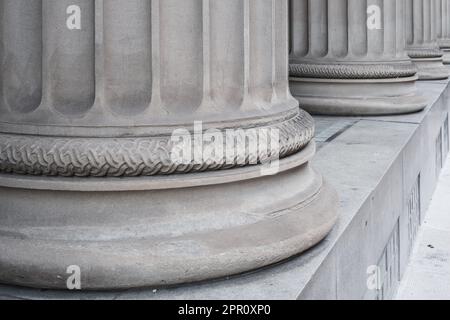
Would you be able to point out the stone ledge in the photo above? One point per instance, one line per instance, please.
(374, 163)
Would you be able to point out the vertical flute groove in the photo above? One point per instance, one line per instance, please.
(127, 43)
(21, 55)
(156, 102)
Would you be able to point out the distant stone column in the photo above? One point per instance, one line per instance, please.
(421, 39)
(347, 57)
(151, 143)
(443, 28)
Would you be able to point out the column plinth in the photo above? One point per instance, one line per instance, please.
(88, 112)
(421, 39)
(340, 65)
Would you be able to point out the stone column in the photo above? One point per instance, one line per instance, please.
(421, 39)
(347, 58)
(443, 28)
(139, 143)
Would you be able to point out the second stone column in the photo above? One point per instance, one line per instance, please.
(347, 57)
(421, 39)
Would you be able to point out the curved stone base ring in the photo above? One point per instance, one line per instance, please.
(445, 49)
(358, 97)
(431, 68)
(446, 56)
(160, 230)
(430, 63)
(120, 212)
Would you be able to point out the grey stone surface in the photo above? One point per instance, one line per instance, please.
(323, 285)
(341, 65)
(90, 98)
(427, 275)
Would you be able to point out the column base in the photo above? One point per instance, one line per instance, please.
(446, 57)
(358, 97)
(158, 231)
(431, 68)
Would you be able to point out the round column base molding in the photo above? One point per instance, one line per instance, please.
(99, 157)
(444, 43)
(431, 68)
(358, 97)
(159, 237)
(423, 53)
(446, 57)
(352, 71)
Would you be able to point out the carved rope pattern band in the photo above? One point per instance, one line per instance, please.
(424, 53)
(335, 71)
(131, 157)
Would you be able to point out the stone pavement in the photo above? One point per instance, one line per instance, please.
(428, 273)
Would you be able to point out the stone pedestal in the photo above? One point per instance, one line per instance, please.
(421, 39)
(443, 28)
(96, 98)
(348, 58)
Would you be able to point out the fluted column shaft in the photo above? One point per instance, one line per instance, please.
(96, 98)
(336, 32)
(124, 68)
(443, 28)
(137, 67)
(333, 41)
(421, 38)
